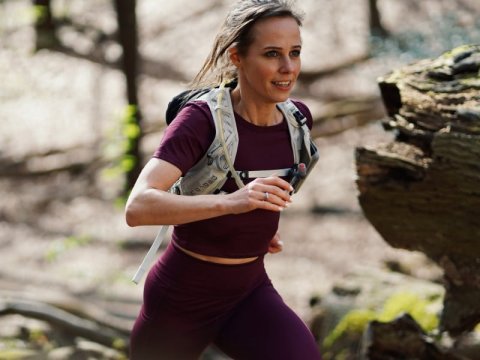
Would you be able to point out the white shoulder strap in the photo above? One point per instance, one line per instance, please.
(222, 110)
(151, 254)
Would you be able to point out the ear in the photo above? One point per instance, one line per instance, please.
(234, 56)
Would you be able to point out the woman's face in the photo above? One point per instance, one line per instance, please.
(269, 69)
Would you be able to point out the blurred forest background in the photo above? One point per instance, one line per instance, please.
(79, 119)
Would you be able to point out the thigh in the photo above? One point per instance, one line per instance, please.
(163, 330)
(264, 327)
(151, 341)
(185, 303)
(176, 320)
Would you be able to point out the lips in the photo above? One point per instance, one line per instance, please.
(282, 84)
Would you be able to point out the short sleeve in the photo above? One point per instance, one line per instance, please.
(188, 136)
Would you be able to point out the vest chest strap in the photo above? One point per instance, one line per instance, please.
(263, 173)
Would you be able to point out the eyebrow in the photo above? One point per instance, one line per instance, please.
(280, 48)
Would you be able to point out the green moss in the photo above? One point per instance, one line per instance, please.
(473, 82)
(418, 308)
(355, 322)
(16, 354)
(456, 51)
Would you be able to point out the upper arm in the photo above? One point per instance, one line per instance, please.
(157, 174)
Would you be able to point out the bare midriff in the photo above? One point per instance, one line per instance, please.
(216, 259)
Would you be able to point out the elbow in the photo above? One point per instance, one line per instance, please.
(131, 216)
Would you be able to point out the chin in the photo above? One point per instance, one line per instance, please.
(276, 97)
(281, 96)
(279, 99)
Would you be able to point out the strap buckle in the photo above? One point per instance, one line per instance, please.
(299, 117)
(243, 174)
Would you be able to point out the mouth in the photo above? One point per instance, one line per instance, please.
(282, 84)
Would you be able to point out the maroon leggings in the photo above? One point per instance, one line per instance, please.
(190, 303)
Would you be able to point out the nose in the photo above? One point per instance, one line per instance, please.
(287, 65)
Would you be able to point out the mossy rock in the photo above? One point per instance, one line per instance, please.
(340, 318)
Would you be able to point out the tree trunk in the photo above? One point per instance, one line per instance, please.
(128, 38)
(376, 26)
(422, 192)
(44, 25)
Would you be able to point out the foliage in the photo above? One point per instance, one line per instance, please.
(129, 132)
(40, 13)
(122, 140)
(60, 247)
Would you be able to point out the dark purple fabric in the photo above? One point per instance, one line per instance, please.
(189, 304)
(187, 139)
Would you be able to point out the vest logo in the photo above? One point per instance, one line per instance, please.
(209, 159)
(201, 188)
(222, 163)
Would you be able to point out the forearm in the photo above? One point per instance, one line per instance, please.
(157, 207)
(150, 204)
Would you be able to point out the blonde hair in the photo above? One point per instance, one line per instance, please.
(236, 31)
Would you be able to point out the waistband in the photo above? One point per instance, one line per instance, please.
(176, 268)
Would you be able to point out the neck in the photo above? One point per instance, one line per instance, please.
(265, 114)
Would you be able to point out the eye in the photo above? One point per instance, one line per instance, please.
(272, 53)
(295, 53)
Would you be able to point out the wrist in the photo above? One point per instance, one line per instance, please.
(220, 206)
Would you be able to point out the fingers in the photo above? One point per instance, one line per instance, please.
(277, 182)
(270, 192)
(275, 249)
(275, 245)
(269, 198)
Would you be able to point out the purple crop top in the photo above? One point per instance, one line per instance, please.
(187, 139)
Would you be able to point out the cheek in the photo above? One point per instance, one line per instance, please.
(261, 73)
(267, 73)
(298, 66)
(268, 70)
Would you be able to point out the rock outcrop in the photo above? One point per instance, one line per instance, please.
(422, 191)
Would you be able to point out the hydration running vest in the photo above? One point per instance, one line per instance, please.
(209, 174)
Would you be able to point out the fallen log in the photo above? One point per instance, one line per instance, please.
(338, 116)
(66, 322)
(113, 312)
(74, 160)
(422, 192)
